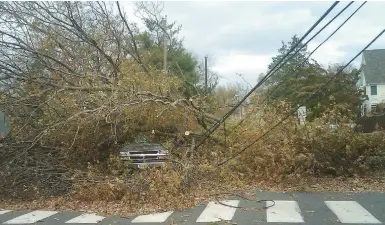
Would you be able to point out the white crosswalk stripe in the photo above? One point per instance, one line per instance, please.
(152, 218)
(86, 218)
(351, 212)
(31, 217)
(215, 212)
(284, 212)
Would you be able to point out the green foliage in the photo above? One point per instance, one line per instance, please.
(290, 65)
(297, 85)
(180, 62)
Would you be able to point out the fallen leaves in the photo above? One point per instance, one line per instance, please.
(287, 160)
(194, 197)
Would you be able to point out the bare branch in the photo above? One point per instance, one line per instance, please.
(137, 57)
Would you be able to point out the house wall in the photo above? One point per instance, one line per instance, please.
(375, 99)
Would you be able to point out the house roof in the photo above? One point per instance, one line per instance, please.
(374, 68)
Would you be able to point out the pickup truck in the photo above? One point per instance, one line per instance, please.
(144, 154)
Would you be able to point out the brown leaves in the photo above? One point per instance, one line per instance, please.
(85, 127)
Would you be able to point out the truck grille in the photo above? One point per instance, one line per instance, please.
(144, 153)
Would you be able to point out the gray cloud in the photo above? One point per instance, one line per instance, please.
(239, 32)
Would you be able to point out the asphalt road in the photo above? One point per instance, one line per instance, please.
(289, 208)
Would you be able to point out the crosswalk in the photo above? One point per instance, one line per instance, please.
(281, 211)
(284, 212)
(40, 216)
(351, 212)
(216, 212)
(31, 217)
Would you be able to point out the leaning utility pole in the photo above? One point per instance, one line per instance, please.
(164, 26)
(206, 75)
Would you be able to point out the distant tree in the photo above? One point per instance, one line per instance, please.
(180, 62)
(294, 83)
(290, 65)
(343, 91)
(226, 96)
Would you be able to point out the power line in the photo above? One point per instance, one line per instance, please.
(302, 103)
(215, 126)
(241, 75)
(316, 34)
(307, 58)
(224, 78)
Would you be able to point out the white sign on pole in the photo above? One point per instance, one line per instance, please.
(301, 113)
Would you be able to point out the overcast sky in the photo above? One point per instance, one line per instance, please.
(241, 37)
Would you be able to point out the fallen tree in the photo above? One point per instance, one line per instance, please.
(77, 85)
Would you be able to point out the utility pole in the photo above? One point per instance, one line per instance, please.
(241, 75)
(164, 26)
(206, 75)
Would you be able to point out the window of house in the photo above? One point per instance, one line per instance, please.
(373, 90)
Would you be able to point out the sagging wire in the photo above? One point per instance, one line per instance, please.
(295, 70)
(269, 74)
(247, 199)
(302, 103)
